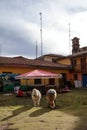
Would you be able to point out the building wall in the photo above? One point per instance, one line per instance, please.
(80, 68)
(65, 61)
(17, 70)
(78, 65)
(21, 70)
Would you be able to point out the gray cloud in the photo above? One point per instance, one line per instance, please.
(16, 45)
(74, 10)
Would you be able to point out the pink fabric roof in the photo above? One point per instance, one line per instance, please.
(38, 74)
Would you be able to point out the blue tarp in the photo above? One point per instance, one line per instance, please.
(8, 74)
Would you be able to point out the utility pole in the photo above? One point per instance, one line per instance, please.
(36, 49)
(41, 33)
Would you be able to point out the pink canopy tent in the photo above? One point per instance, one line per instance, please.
(38, 74)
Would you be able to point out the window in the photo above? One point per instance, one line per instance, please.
(7, 72)
(83, 64)
(37, 81)
(75, 76)
(52, 81)
(74, 63)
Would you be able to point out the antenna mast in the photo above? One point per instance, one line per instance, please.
(69, 38)
(36, 49)
(41, 33)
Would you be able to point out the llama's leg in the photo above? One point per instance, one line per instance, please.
(38, 102)
(55, 102)
(34, 103)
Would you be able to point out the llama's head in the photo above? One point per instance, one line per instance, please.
(35, 92)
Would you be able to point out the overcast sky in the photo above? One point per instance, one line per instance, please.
(20, 26)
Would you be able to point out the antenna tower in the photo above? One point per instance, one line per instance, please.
(69, 38)
(41, 33)
(36, 49)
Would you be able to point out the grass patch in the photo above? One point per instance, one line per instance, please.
(19, 114)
